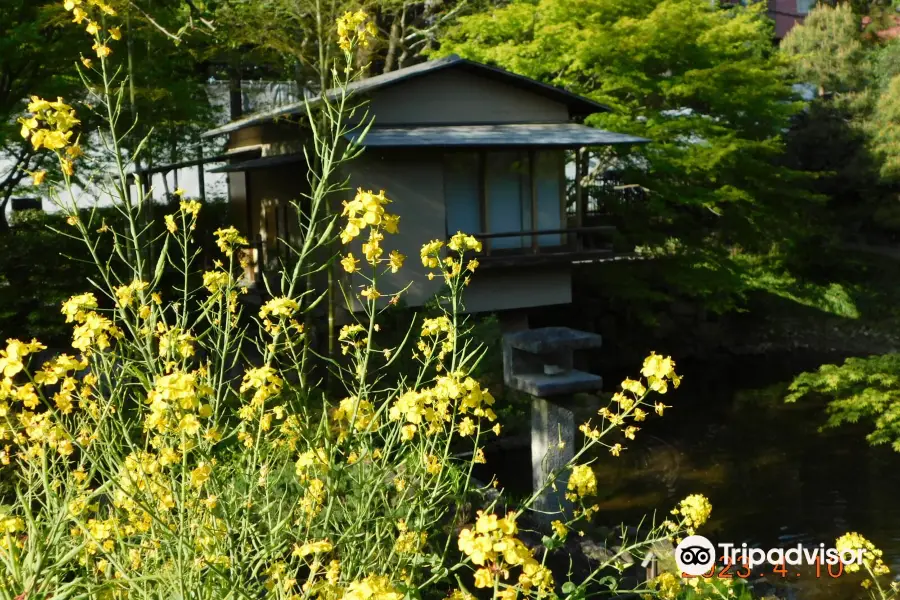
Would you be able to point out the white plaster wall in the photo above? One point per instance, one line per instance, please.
(454, 96)
(519, 287)
(415, 183)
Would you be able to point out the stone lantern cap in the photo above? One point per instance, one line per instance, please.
(540, 361)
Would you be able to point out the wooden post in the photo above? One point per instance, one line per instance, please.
(483, 191)
(579, 189)
(532, 175)
(201, 176)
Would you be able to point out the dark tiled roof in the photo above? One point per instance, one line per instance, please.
(559, 135)
(578, 105)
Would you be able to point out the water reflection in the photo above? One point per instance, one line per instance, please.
(773, 478)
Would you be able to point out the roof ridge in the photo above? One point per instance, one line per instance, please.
(584, 106)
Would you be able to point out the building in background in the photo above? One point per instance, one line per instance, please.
(785, 13)
(458, 146)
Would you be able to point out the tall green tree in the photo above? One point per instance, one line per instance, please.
(300, 39)
(703, 82)
(35, 59)
(167, 89)
(849, 136)
(827, 50)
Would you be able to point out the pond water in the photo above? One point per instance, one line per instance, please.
(773, 478)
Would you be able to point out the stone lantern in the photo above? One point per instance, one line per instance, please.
(540, 362)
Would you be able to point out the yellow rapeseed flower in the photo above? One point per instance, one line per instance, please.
(395, 260)
(853, 542)
(215, 281)
(191, 207)
(559, 529)
(171, 225)
(201, 474)
(582, 481)
(391, 223)
(228, 239)
(74, 307)
(370, 293)
(102, 50)
(355, 27)
(349, 263)
(694, 510)
(317, 547)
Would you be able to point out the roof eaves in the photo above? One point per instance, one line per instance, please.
(584, 106)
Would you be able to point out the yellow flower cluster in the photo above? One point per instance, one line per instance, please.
(11, 358)
(313, 499)
(316, 547)
(189, 208)
(409, 542)
(229, 239)
(872, 556)
(435, 406)
(349, 337)
(57, 371)
(367, 209)
(36, 429)
(373, 587)
(668, 586)
(265, 381)
(80, 14)
(93, 330)
(176, 403)
(353, 412)
(50, 125)
(659, 371)
(630, 402)
(493, 547)
(280, 308)
(460, 242)
(173, 341)
(311, 460)
(355, 27)
(431, 254)
(443, 334)
(125, 293)
(694, 511)
(216, 281)
(582, 482)
(20, 424)
(74, 308)
(452, 266)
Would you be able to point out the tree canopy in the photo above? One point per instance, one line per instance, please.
(702, 82)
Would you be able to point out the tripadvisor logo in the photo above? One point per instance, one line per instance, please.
(696, 556)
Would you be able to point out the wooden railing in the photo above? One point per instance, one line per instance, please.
(575, 243)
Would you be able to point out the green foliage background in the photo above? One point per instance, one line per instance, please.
(40, 267)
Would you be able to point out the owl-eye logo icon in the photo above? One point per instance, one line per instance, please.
(695, 555)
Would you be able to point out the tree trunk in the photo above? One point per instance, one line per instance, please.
(235, 93)
(4, 224)
(390, 60)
